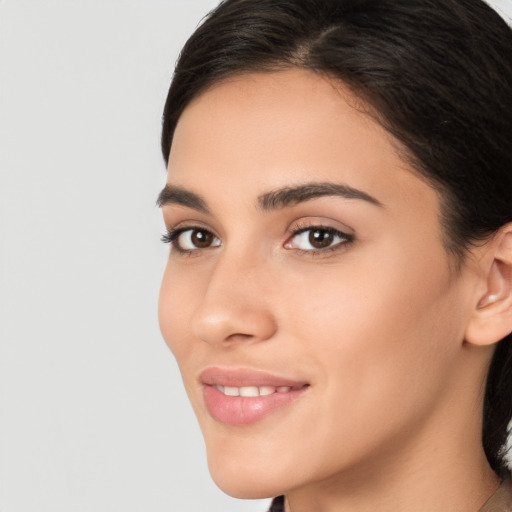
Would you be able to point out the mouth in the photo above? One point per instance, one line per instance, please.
(242, 396)
(252, 391)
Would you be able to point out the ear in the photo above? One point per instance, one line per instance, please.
(491, 318)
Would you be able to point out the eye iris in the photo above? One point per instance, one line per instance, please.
(320, 238)
(202, 239)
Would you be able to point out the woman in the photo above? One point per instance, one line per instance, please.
(338, 293)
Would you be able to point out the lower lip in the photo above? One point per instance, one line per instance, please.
(241, 410)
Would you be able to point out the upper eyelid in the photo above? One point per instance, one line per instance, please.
(301, 225)
(175, 219)
(184, 225)
(343, 234)
(299, 231)
(174, 214)
(295, 228)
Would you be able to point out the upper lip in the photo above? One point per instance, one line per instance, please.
(240, 377)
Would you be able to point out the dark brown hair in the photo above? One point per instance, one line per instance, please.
(437, 74)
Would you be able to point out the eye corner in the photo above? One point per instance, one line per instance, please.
(170, 234)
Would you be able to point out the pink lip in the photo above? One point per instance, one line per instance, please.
(240, 410)
(239, 377)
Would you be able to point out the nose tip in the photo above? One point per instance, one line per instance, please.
(230, 321)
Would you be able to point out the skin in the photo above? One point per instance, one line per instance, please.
(378, 326)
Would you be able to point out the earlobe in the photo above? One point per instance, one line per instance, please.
(491, 320)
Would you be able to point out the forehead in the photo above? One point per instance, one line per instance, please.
(256, 132)
(272, 115)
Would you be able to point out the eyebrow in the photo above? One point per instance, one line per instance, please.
(289, 196)
(171, 194)
(273, 200)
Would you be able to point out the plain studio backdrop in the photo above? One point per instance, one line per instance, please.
(93, 417)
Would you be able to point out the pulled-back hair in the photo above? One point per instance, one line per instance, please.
(437, 74)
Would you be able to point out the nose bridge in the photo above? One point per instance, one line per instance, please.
(235, 304)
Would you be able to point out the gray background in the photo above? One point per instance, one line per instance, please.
(93, 417)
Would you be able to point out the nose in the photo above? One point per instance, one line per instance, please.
(235, 305)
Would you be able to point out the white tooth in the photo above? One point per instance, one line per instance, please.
(220, 388)
(231, 391)
(267, 390)
(283, 389)
(249, 391)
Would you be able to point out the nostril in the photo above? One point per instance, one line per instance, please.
(240, 337)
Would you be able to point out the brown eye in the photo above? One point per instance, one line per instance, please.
(320, 238)
(201, 239)
(195, 239)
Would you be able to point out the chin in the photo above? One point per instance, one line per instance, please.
(245, 485)
(241, 476)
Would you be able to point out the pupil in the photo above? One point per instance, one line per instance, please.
(202, 239)
(320, 239)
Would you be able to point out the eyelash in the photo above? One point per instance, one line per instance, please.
(172, 235)
(347, 239)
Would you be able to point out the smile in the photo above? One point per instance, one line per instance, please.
(249, 391)
(242, 397)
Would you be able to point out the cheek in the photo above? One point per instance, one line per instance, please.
(177, 302)
(381, 335)
(180, 294)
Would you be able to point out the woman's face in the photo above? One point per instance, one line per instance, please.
(308, 299)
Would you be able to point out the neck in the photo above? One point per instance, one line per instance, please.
(401, 488)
